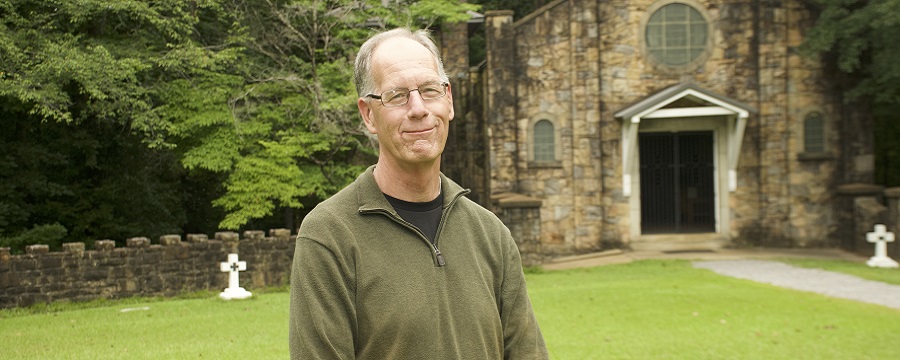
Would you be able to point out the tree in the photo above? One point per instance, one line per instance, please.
(294, 136)
(519, 7)
(79, 88)
(859, 38)
(81, 182)
(69, 61)
(255, 93)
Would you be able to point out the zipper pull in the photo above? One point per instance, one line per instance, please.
(440, 257)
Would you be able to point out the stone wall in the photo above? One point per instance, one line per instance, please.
(892, 202)
(167, 268)
(870, 205)
(522, 215)
(500, 100)
(545, 67)
(560, 82)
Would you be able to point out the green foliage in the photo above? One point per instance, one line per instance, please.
(70, 61)
(424, 13)
(51, 234)
(861, 36)
(477, 46)
(118, 117)
(286, 128)
(91, 178)
(294, 132)
(887, 148)
(519, 7)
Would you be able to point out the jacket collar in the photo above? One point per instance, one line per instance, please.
(370, 197)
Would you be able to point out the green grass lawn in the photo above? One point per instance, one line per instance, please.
(890, 276)
(207, 328)
(669, 310)
(642, 310)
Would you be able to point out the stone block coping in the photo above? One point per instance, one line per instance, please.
(893, 192)
(860, 189)
(514, 200)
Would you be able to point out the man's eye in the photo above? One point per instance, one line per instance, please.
(394, 96)
(430, 91)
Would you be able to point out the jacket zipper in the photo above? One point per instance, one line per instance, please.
(439, 257)
(437, 236)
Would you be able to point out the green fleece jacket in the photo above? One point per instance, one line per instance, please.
(365, 284)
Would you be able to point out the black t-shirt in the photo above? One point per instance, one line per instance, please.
(426, 216)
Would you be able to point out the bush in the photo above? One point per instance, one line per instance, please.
(49, 234)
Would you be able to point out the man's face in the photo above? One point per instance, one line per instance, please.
(415, 133)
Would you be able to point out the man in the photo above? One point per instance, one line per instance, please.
(399, 264)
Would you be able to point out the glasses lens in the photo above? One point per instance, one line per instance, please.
(430, 92)
(395, 97)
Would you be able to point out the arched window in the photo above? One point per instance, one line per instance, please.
(676, 35)
(544, 141)
(814, 133)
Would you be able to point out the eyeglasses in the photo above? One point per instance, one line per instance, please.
(400, 97)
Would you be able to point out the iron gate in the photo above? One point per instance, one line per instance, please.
(677, 194)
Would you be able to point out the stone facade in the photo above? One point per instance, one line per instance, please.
(581, 64)
(466, 162)
(168, 268)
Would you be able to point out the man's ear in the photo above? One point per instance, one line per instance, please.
(450, 97)
(367, 114)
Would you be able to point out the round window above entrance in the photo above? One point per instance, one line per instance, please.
(676, 35)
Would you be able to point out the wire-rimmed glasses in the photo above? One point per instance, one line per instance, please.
(400, 96)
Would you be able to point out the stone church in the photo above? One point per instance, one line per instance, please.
(656, 124)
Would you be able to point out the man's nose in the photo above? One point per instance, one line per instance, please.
(417, 104)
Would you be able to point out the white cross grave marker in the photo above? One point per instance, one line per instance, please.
(232, 267)
(881, 237)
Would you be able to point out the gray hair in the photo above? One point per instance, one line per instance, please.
(362, 72)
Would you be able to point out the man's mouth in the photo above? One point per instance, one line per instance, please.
(419, 132)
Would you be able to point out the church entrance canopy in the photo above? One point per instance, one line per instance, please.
(685, 100)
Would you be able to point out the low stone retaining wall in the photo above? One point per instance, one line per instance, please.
(167, 268)
(869, 205)
(522, 215)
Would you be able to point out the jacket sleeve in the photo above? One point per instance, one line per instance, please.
(322, 306)
(522, 338)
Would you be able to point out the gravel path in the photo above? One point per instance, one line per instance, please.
(814, 280)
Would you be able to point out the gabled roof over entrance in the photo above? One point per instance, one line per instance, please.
(679, 101)
(677, 96)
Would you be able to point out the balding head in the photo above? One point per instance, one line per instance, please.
(363, 74)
